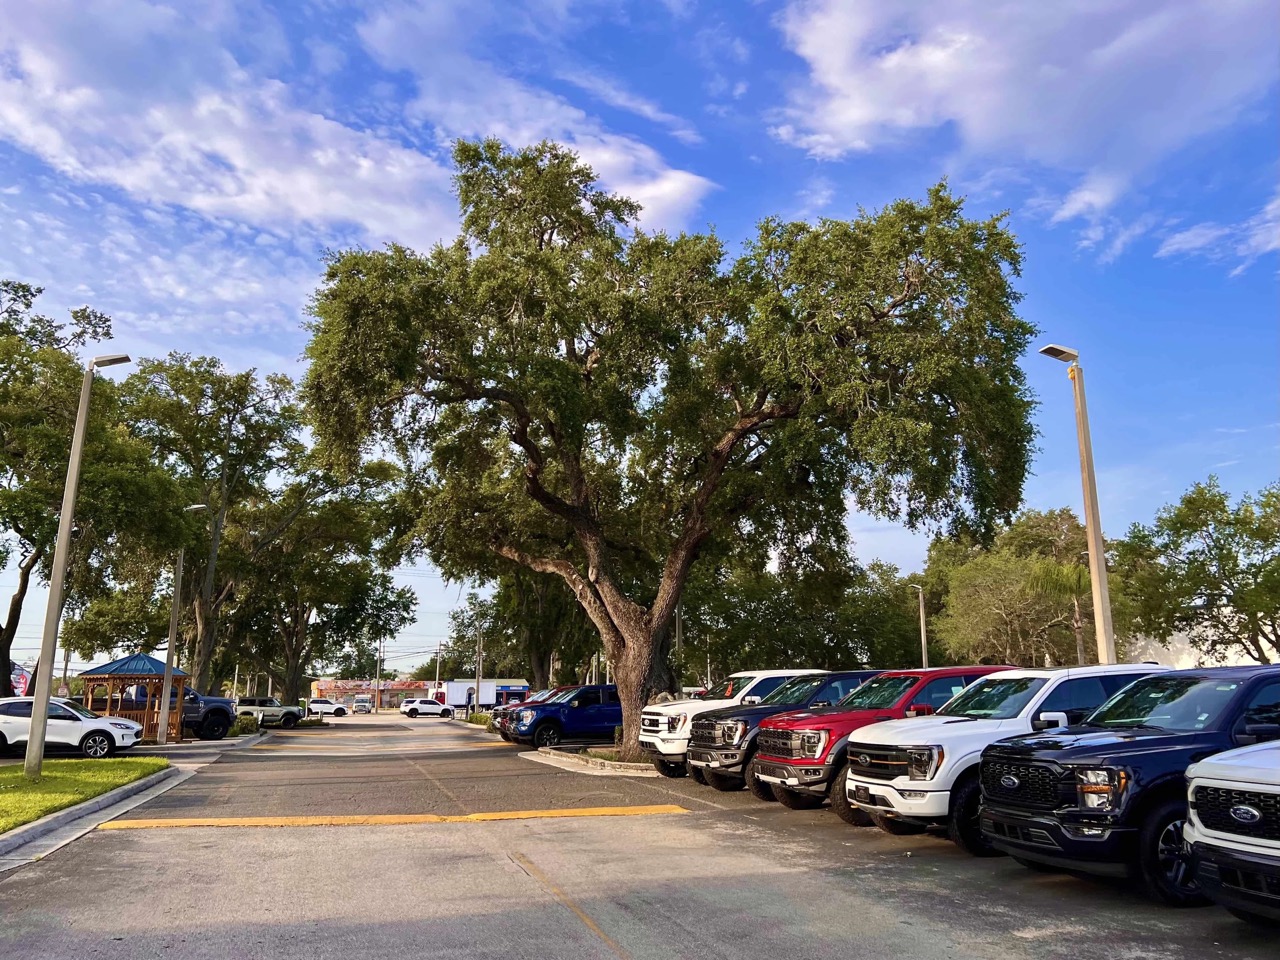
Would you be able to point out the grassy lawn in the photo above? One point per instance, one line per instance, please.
(64, 784)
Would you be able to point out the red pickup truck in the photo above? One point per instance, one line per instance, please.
(802, 754)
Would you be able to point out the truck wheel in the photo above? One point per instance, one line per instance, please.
(899, 828)
(965, 828)
(759, 789)
(1257, 919)
(723, 782)
(696, 774)
(504, 735)
(97, 745)
(850, 813)
(794, 800)
(1165, 871)
(340, 712)
(289, 721)
(546, 735)
(672, 770)
(215, 727)
(413, 713)
(446, 714)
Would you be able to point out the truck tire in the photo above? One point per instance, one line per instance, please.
(899, 828)
(850, 813)
(413, 713)
(340, 712)
(1165, 872)
(215, 727)
(794, 800)
(696, 774)
(673, 771)
(546, 734)
(289, 721)
(758, 788)
(97, 745)
(446, 714)
(965, 828)
(723, 782)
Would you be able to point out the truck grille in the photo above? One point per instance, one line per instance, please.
(876, 762)
(1020, 784)
(650, 722)
(1214, 806)
(706, 733)
(778, 743)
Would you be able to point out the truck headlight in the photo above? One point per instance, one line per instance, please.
(675, 722)
(1100, 789)
(812, 743)
(733, 732)
(923, 763)
(526, 716)
(122, 726)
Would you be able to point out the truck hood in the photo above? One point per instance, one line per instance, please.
(913, 731)
(690, 707)
(828, 718)
(218, 701)
(1080, 745)
(751, 713)
(1259, 763)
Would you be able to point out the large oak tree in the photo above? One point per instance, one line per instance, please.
(606, 404)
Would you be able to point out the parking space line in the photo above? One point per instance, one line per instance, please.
(390, 819)
(529, 867)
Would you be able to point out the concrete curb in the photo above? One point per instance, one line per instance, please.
(579, 763)
(24, 834)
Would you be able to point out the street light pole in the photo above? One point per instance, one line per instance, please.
(53, 611)
(1102, 625)
(924, 636)
(166, 690)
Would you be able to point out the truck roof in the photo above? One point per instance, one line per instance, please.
(794, 671)
(1083, 670)
(944, 671)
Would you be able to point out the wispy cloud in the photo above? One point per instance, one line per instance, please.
(613, 94)
(1244, 242)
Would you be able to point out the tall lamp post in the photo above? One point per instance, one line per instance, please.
(924, 636)
(1092, 520)
(53, 612)
(166, 690)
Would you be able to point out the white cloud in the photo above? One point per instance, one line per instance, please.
(814, 197)
(613, 94)
(1099, 91)
(1193, 239)
(1246, 242)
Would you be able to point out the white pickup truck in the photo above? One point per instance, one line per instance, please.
(1233, 834)
(910, 774)
(665, 727)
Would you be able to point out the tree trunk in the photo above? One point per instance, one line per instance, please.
(632, 673)
(10, 629)
(1077, 627)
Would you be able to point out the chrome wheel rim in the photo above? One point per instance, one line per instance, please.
(1171, 855)
(96, 747)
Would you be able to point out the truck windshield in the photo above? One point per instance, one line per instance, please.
(78, 710)
(878, 693)
(995, 698)
(796, 690)
(1177, 704)
(728, 688)
(563, 695)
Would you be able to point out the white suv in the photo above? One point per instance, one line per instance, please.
(326, 707)
(426, 708)
(1233, 832)
(70, 726)
(665, 727)
(909, 774)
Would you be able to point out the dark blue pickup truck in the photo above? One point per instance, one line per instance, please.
(586, 713)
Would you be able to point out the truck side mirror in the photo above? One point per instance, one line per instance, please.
(819, 703)
(1259, 733)
(1047, 721)
(748, 700)
(920, 710)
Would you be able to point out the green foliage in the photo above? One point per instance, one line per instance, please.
(64, 783)
(1211, 570)
(245, 726)
(479, 719)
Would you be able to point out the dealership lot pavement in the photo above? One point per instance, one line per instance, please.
(450, 844)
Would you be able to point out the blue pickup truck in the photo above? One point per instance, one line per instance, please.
(586, 713)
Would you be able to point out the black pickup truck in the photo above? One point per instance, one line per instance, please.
(723, 742)
(1109, 796)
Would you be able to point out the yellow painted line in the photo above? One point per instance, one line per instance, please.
(529, 867)
(390, 819)
(416, 746)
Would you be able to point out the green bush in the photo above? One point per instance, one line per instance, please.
(244, 726)
(479, 719)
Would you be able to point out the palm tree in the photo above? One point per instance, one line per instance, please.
(1069, 582)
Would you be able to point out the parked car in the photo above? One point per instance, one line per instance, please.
(802, 753)
(582, 713)
(665, 727)
(323, 706)
(363, 703)
(912, 774)
(1233, 833)
(415, 707)
(269, 711)
(722, 743)
(1109, 796)
(70, 727)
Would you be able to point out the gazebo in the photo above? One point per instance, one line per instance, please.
(132, 688)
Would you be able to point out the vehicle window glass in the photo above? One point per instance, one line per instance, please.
(1082, 693)
(836, 690)
(20, 709)
(994, 698)
(1264, 705)
(795, 690)
(588, 698)
(879, 693)
(1115, 682)
(611, 696)
(938, 692)
(1179, 704)
(80, 711)
(765, 687)
(730, 687)
(58, 712)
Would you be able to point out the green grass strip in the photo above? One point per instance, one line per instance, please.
(65, 783)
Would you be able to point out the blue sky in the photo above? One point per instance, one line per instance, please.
(182, 167)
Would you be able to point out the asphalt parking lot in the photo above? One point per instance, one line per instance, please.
(387, 837)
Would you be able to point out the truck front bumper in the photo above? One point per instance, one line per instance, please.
(802, 777)
(880, 797)
(1103, 850)
(672, 750)
(1245, 880)
(726, 760)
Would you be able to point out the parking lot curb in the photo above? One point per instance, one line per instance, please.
(593, 766)
(20, 836)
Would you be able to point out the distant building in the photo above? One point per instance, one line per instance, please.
(1177, 652)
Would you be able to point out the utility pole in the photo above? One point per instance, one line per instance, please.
(924, 636)
(235, 684)
(377, 679)
(475, 704)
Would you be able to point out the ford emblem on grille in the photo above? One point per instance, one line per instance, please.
(864, 759)
(1010, 783)
(1244, 814)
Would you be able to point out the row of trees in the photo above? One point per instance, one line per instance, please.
(284, 567)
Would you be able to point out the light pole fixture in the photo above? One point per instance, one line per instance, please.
(166, 690)
(1103, 629)
(924, 636)
(57, 576)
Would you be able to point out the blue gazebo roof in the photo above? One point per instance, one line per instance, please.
(137, 665)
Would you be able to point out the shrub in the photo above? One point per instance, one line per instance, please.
(479, 719)
(244, 726)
